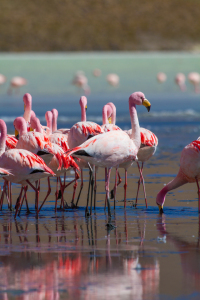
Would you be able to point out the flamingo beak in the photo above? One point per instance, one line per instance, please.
(110, 120)
(147, 104)
(31, 129)
(16, 134)
(86, 108)
(160, 208)
(24, 107)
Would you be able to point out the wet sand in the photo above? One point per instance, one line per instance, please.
(64, 255)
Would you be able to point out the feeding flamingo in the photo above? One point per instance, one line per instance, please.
(161, 77)
(113, 148)
(2, 79)
(189, 172)
(194, 78)
(113, 79)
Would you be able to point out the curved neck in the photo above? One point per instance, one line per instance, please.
(3, 130)
(23, 127)
(27, 112)
(179, 180)
(135, 125)
(37, 126)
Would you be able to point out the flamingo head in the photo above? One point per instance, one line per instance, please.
(83, 103)
(55, 113)
(138, 98)
(27, 100)
(107, 114)
(20, 126)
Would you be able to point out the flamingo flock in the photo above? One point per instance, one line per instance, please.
(37, 151)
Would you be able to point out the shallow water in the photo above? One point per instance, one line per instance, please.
(64, 255)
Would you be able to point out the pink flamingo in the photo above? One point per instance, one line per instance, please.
(189, 172)
(180, 81)
(79, 133)
(97, 72)
(161, 77)
(81, 81)
(60, 146)
(16, 83)
(113, 79)
(54, 123)
(194, 78)
(2, 79)
(147, 149)
(25, 166)
(113, 148)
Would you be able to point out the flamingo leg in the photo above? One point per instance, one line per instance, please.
(107, 190)
(125, 188)
(81, 187)
(92, 189)
(95, 188)
(139, 181)
(105, 185)
(18, 203)
(88, 195)
(37, 195)
(2, 194)
(115, 187)
(24, 197)
(56, 195)
(75, 186)
(112, 195)
(142, 179)
(198, 193)
(10, 196)
(47, 195)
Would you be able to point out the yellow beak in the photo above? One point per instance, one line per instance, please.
(16, 134)
(24, 107)
(110, 120)
(86, 107)
(31, 129)
(147, 104)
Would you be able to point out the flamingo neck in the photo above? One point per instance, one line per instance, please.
(135, 125)
(23, 128)
(105, 115)
(3, 136)
(50, 126)
(54, 124)
(27, 112)
(38, 127)
(83, 113)
(178, 181)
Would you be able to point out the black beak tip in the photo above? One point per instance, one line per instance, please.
(148, 108)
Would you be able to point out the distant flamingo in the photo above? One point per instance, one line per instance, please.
(113, 79)
(114, 147)
(194, 78)
(2, 79)
(180, 80)
(97, 72)
(161, 77)
(189, 172)
(79, 133)
(25, 166)
(81, 81)
(16, 83)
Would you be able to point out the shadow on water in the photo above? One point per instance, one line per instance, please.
(68, 256)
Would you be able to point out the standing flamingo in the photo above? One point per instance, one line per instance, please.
(149, 143)
(25, 166)
(194, 78)
(16, 83)
(189, 172)
(113, 148)
(2, 79)
(180, 81)
(161, 77)
(79, 133)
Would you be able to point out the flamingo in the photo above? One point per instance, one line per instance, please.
(180, 81)
(194, 78)
(149, 143)
(79, 133)
(97, 72)
(60, 146)
(189, 171)
(113, 79)
(81, 81)
(113, 148)
(2, 79)
(15, 83)
(25, 166)
(161, 77)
